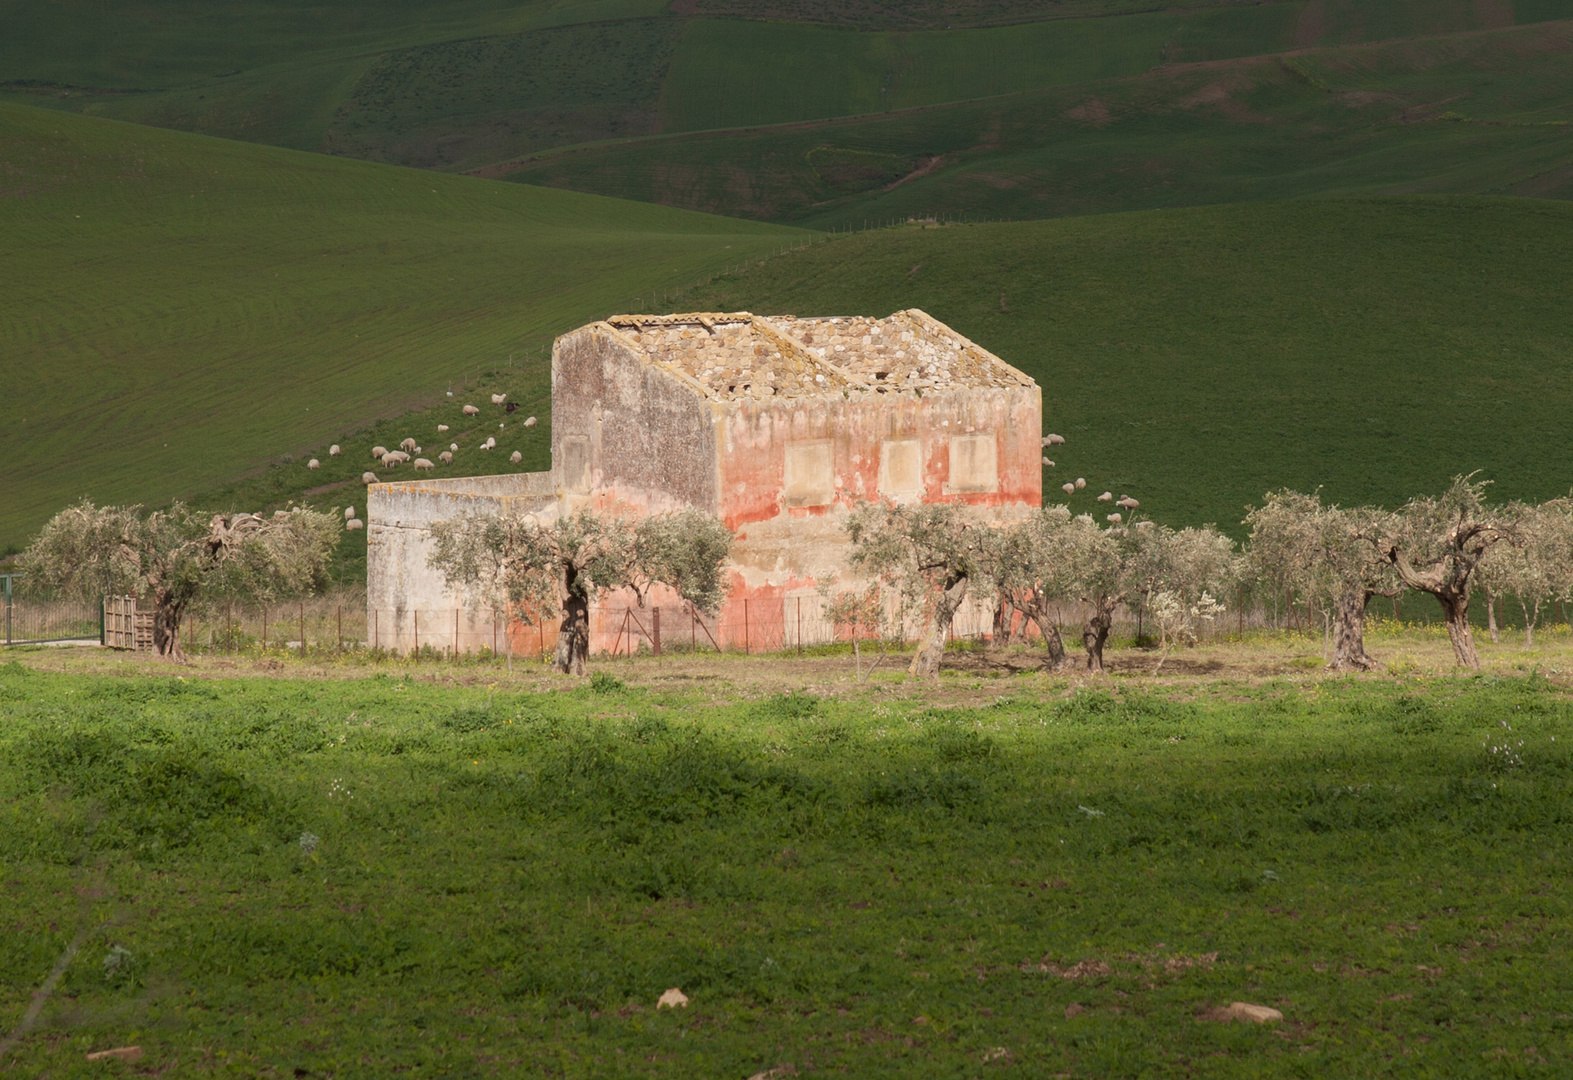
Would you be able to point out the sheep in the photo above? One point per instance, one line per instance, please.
(516, 457)
(471, 410)
(1047, 464)
(406, 444)
(417, 450)
(501, 426)
(1114, 518)
(368, 478)
(423, 463)
(334, 451)
(498, 399)
(313, 464)
(1107, 496)
(353, 525)
(1069, 489)
(1081, 482)
(446, 457)
(530, 422)
(390, 461)
(349, 512)
(441, 428)
(511, 408)
(454, 447)
(1054, 440)
(401, 456)
(1128, 502)
(379, 451)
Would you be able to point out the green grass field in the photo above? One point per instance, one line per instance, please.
(1196, 359)
(471, 83)
(178, 310)
(382, 873)
(1487, 113)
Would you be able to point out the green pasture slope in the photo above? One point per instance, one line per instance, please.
(386, 876)
(467, 84)
(1479, 113)
(1197, 358)
(176, 310)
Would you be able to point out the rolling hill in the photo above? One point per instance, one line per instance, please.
(176, 310)
(1485, 112)
(1197, 358)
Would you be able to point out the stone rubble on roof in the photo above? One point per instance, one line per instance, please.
(740, 355)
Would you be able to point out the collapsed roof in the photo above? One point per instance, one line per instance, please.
(741, 355)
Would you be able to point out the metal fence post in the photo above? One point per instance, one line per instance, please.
(800, 626)
(303, 628)
(745, 626)
(655, 632)
(8, 609)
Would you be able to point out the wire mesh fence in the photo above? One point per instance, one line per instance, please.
(29, 619)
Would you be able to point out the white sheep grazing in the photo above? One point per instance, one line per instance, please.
(498, 399)
(417, 450)
(379, 451)
(392, 459)
(1128, 502)
(453, 446)
(1114, 518)
(1054, 440)
(401, 455)
(1047, 464)
(441, 428)
(422, 463)
(446, 457)
(334, 451)
(530, 422)
(1081, 482)
(1069, 489)
(349, 512)
(313, 464)
(368, 478)
(1107, 496)
(516, 457)
(471, 410)
(406, 444)
(352, 525)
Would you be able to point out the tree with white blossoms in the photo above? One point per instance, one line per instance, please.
(1176, 620)
(1187, 562)
(179, 557)
(1302, 546)
(929, 555)
(530, 570)
(1437, 544)
(1534, 564)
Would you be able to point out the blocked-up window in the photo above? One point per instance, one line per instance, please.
(974, 464)
(576, 463)
(901, 468)
(809, 475)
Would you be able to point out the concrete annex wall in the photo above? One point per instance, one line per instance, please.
(407, 602)
(650, 437)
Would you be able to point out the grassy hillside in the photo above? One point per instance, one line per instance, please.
(469, 83)
(1197, 358)
(175, 310)
(1475, 113)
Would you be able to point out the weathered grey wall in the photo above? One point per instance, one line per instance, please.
(651, 436)
(407, 602)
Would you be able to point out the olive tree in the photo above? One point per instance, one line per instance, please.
(864, 613)
(1535, 564)
(1038, 563)
(533, 570)
(178, 557)
(1301, 545)
(929, 555)
(1436, 545)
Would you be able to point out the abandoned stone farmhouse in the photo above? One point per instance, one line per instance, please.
(777, 425)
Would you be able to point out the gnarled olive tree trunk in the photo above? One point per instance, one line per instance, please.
(1095, 632)
(1349, 630)
(932, 648)
(573, 636)
(1037, 609)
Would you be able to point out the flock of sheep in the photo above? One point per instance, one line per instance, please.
(1071, 487)
(409, 452)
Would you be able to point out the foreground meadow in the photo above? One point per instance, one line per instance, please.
(407, 869)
